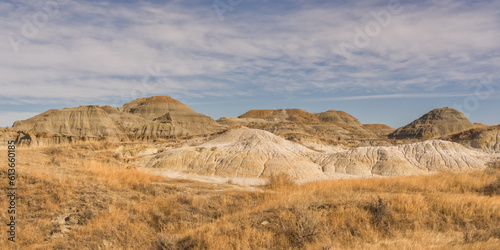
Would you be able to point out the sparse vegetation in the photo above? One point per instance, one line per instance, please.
(427, 135)
(92, 200)
(280, 181)
(494, 187)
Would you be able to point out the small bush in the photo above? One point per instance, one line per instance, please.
(280, 181)
(495, 165)
(427, 135)
(381, 214)
(55, 161)
(300, 227)
(165, 243)
(491, 189)
(494, 187)
(54, 151)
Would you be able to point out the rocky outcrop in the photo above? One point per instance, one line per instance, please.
(409, 159)
(338, 117)
(282, 115)
(90, 121)
(143, 119)
(436, 123)
(85, 123)
(379, 129)
(240, 153)
(332, 127)
(486, 138)
(166, 110)
(247, 152)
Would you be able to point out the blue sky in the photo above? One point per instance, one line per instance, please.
(381, 61)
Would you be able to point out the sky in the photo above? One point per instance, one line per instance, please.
(381, 61)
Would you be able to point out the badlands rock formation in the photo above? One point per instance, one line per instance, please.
(165, 109)
(263, 142)
(409, 159)
(248, 152)
(66, 125)
(299, 125)
(240, 152)
(143, 119)
(436, 123)
(379, 129)
(485, 138)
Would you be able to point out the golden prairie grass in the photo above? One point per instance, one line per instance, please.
(119, 177)
(93, 202)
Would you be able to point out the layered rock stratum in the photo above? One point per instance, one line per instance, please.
(143, 119)
(261, 143)
(436, 123)
(299, 125)
(379, 129)
(485, 138)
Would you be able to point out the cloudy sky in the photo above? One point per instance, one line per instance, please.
(381, 61)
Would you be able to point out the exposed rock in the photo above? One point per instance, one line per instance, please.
(166, 110)
(254, 153)
(238, 122)
(156, 106)
(338, 117)
(301, 116)
(331, 127)
(282, 115)
(486, 138)
(436, 123)
(379, 129)
(417, 158)
(144, 119)
(240, 153)
(82, 121)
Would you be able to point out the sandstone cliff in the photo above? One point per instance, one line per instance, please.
(144, 119)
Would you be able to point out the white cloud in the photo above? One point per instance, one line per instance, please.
(397, 96)
(100, 50)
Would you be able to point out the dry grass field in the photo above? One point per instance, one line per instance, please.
(84, 196)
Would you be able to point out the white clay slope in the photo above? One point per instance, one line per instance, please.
(255, 153)
(417, 158)
(241, 153)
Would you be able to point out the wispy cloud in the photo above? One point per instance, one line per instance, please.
(99, 49)
(396, 96)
